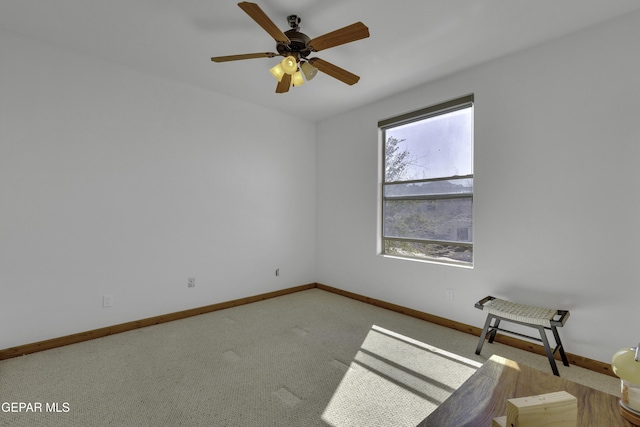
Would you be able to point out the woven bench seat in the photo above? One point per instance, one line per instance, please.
(539, 318)
(520, 312)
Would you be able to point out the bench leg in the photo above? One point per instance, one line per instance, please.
(483, 335)
(547, 349)
(494, 330)
(565, 361)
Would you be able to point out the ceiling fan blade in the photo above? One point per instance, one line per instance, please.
(334, 71)
(284, 84)
(244, 56)
(347, 34)
(261, 18)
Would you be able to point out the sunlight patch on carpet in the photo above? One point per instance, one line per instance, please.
(396, 379)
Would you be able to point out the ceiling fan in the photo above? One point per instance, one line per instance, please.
(295, 47)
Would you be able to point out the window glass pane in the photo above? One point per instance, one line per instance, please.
(442, 219)
(434, 147)
(427, 190)
(428, 251)
(431, 188)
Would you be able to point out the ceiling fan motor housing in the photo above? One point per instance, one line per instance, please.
(297, 46)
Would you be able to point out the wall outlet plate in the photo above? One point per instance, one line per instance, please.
(107, 301)
(191, 282)
(450, 294)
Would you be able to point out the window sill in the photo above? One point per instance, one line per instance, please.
(430, 261)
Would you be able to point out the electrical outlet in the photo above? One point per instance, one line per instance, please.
(191, 282)
(449, 294)
(107, 301)
(277, 271)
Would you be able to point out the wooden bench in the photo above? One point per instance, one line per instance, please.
(539, 318)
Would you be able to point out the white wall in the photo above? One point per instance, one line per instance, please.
(115, 181)
(556, 210)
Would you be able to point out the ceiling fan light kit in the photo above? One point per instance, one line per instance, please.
(277, 71)
(308, 70)
(295, 47)
(296, 79)
(289, 64)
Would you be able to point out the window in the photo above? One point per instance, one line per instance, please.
(427, 186)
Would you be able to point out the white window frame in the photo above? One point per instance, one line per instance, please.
(384, 125)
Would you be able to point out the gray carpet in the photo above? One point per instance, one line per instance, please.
(311, 358)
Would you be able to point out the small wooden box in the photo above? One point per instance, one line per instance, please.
(499, 422)
(559, 409)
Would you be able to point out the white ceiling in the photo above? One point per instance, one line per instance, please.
(412, 41)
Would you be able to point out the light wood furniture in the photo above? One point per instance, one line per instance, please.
(559, 409)
(484, 396)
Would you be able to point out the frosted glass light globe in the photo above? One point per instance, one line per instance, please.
(289, 65)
